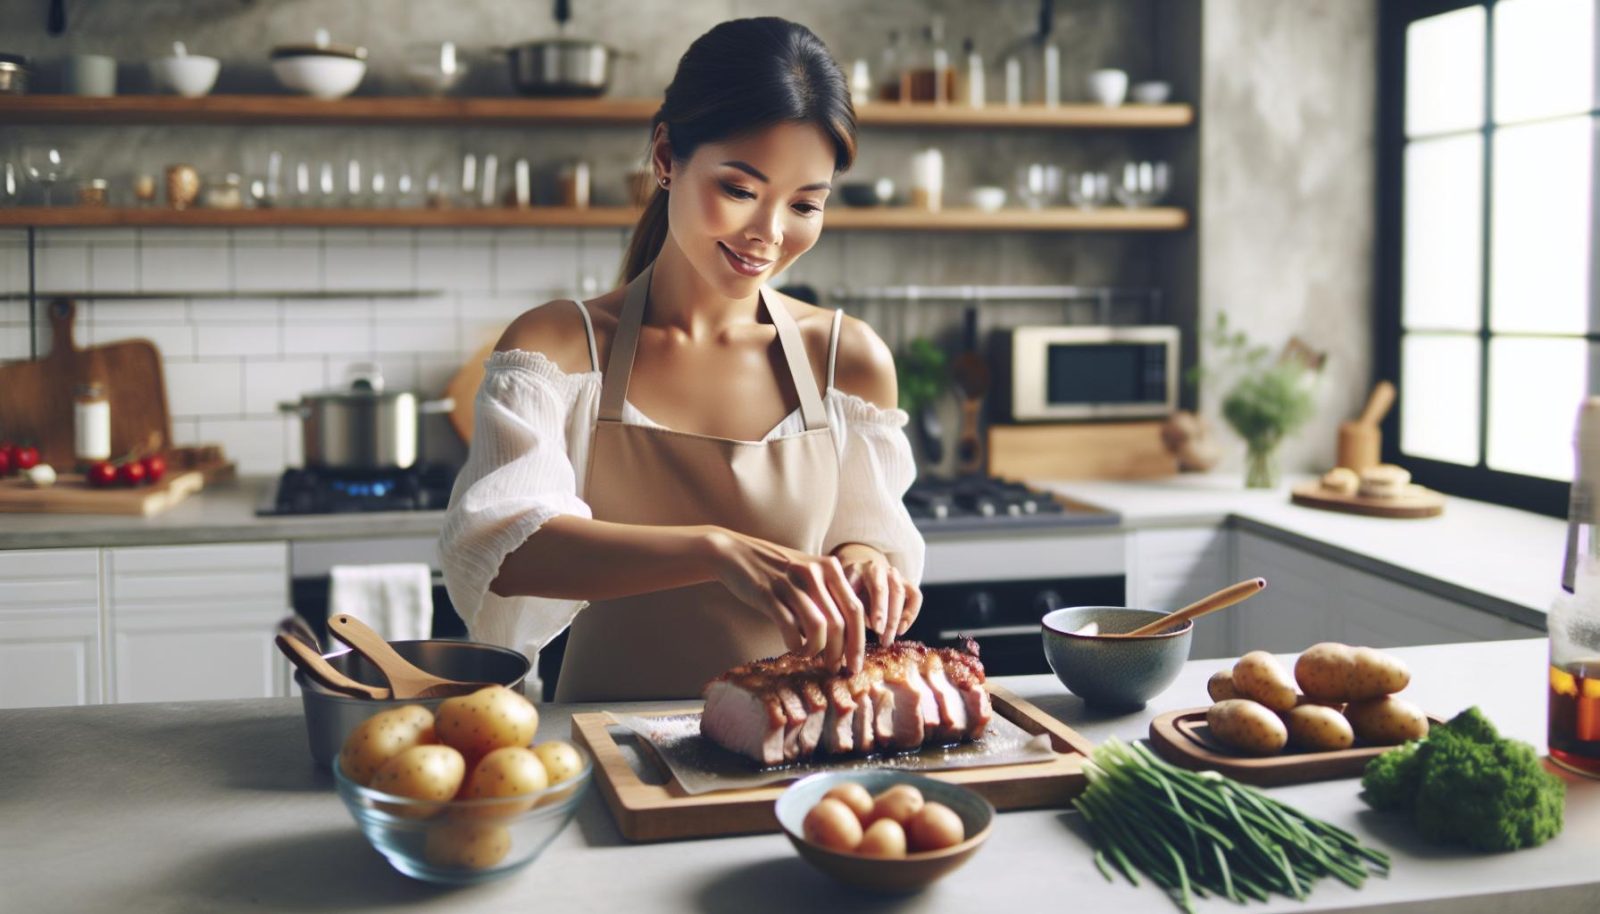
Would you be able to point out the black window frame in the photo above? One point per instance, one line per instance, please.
(1480, 482)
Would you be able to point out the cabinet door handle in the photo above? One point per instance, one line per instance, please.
(993, 631)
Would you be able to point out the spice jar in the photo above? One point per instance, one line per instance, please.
(572, 183)
(91, 424)
(223, 192)
(183, 186)
(93, 192)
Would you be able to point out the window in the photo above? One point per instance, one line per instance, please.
(1487, 314)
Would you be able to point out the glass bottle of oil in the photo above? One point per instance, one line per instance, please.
(1574, 621)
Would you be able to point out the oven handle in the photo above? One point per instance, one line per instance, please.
(993, 631)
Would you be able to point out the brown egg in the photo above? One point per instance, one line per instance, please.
(885, 838)
(854, 796)
(899, 803)
(935, 826)
(831, 824)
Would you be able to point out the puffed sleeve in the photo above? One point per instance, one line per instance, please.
(875, 469)
(517, 476)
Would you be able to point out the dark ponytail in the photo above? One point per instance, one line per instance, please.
(744, 75)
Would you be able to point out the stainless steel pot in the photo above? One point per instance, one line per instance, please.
(14, 74)
(362, 426)
(561, 66)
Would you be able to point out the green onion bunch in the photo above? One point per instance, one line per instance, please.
(1200, 834)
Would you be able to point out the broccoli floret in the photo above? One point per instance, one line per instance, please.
(1463, 784)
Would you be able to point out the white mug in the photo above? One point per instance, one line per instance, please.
(1108, 87)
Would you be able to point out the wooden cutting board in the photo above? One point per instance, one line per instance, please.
(1415, 501)
(662, 811)
(36, 396)
(463, 389)
(1182, 738)
(71, 494)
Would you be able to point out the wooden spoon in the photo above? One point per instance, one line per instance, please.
(405, 679)
(1222, 599)
(318, 668)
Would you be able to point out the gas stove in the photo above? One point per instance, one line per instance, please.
(975, 503)
(423, 487)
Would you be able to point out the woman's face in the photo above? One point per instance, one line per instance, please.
(742, 210)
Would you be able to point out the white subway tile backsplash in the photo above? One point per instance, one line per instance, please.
(464, 263)
(420, 336)
(385, 263)
(13, 342)
(478, 332)
(256, 445)
(292, 441)
(199, 389)
(329, 311)
(599, 259)
(173, 341)
(184, 268)
(139, 311)
(61, 267)
(266, 384)
(214, 340)
(236, 310)
(407, 310)
(113, 268)
(303, 338)
(434, 372)
(286, 268)
(546, 260)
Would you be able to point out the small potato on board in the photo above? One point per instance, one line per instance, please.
(1386, 721)
(1248, 726)
(1260, 677)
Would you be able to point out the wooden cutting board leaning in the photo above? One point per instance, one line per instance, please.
(36, 396)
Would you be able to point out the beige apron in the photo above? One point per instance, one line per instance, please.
(668, 644)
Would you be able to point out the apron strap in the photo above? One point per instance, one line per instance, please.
(614, 384)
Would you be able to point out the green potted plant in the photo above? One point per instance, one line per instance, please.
(1267, 399)
(924, 376)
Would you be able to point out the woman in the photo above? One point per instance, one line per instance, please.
(701, 502)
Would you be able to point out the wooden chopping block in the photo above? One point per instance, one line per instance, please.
(1361, 441)
(463, 389)
(36, 396)
(1098, 450)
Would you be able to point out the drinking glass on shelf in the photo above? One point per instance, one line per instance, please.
(380, 190)
(1142, 184)
(403, 183)
(354, 189)
(10, 183)
(1089, 189)
(45, 165)
(1038, 185)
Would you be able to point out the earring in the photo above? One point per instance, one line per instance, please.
(665, 182)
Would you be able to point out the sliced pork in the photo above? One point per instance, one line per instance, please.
(788, 708)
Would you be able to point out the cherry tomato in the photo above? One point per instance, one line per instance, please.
(101, 474)
(131, 473)
(5, 461)
(25, 457)
(155, 467)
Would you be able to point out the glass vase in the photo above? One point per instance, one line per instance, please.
(1261, 465)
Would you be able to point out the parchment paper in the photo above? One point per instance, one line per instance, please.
(702, 766)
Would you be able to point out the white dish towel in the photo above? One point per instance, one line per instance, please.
(396, 601)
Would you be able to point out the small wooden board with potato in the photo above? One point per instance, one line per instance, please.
(1184, 739)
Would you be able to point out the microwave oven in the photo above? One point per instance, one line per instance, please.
(1099, 372)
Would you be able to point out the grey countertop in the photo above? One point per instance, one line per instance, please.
(215, 806)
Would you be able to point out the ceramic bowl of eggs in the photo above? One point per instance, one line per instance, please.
(885, 831)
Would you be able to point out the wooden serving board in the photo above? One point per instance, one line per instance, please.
(1080, 450)
(661, 812)
(71, 494)
(36, 397)
(1182, 738)
(1415, 501)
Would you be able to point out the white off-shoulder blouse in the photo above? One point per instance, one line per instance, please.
(530, 447)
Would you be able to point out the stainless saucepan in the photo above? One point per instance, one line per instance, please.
(361, 426)
(562, 65)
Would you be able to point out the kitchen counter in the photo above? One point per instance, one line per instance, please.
(215, 806)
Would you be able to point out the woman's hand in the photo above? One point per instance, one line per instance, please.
(806, 596)
(894, 601)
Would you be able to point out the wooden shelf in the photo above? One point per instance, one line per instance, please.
(1061, 219)
(292, 109)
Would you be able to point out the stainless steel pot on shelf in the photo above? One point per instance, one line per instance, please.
(361, 427)
(563, 65)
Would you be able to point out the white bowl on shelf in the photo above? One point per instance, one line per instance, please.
(1151, 92)
(988, 199)
(321, 69)
(189, 75)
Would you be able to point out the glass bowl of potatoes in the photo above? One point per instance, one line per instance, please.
(463, 794)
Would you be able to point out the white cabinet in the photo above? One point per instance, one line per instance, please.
(1168, 569)
(1310, 599)
(50, 628)
(196, 622)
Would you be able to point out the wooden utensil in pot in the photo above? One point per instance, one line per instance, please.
(1361, 441)
(406, 680)
(320, 670)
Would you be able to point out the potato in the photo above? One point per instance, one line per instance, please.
(1248, 726)
(1324, 671)
(421, 773)
(471, 845)
(885, 838)
(486, 720)
(832, 825)
(854, 796)
(511, 771)
(1259, 676)
(381, 737)
(934, 827)
(1377, 674)
(1386, 721)
(560, 759)
(1318, 728)
(1220, 686)
(899, 803)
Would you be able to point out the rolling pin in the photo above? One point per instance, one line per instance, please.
(1361, 441)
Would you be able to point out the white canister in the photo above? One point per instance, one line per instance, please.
(927, 180)
(91, 424)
